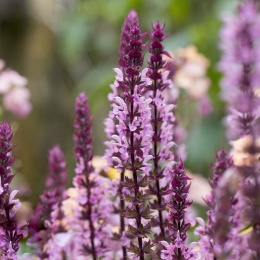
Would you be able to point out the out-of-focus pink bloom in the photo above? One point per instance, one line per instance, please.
(189, 72)
(17, 101)
(11, 79)
(15, 94)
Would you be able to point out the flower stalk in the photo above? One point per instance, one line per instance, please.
(41, 223)
(219, 238)
(178, 216)
(131, 20)
(161, 120)
(240, 64)
(83, 154)
(11, 232)
(132, 144)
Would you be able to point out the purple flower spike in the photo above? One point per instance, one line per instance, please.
(94, 206)
(131, 20)
(110, 123)
(57, 177)
(57, 181)
(41, 223)
(83, 154)
(240, 65)
(162, 122)
(82, 136)
(220, 238)
(132, 142)
(178, 216)
(11, 232)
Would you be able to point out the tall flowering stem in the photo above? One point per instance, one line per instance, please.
(131, 20)
(10, 230)
(133, 142)
(41, 224)
(90, 220)
(161, 120)
(240, 64)
(178, 220)
(219, 238)
(56, 180)
(83, 154)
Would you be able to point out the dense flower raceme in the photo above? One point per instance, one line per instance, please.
(132, 144)
(15, 94)
(162, 123)
(220, 238)
(241, 66)
(110, 122)
(131, 19)
(178, 219)
(240, 63)
(90, 222)
(41, 225)
(11, 232)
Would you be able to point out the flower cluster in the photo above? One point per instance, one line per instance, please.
(11, 232)
(178, 217)
(162, 122)
(220, 237)
(132, 144)
(131, 20)
(91, 218)
(240, 65)
(15, 94)
(41, 225)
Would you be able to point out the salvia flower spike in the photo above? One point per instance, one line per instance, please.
(110, 122)
(162, 121)
(41, 225)
(220, 238)
(179, 223)
(94, 205)
(132, 144)
(11, 232)
(239, 63)
(131, 19)
(83, 154)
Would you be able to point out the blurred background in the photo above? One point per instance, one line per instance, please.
(64, 47)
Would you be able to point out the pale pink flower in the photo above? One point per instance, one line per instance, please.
(10, 79)
(17, 101)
